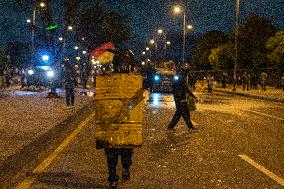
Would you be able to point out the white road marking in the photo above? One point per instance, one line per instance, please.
(276, 178)
(265, 114)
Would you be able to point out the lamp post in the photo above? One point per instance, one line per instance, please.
(33, 30)
(236, 44)
(177, 10)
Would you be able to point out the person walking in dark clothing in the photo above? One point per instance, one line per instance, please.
(180, 90)
(69, 83)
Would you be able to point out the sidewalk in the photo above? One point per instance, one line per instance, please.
(25, 117)
(271, 93)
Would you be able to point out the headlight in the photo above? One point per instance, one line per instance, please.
(50, 73)
(176, 77)
(30, 72)
(156, 77)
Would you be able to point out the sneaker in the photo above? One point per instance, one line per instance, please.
(113, 184)
(125, 174)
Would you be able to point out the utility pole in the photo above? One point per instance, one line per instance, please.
(236, 44)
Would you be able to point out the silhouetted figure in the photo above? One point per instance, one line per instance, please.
(69, 84)
(254, 81)
(123, 61)
(246, 81)
(210, 83)
(263, 81)
(224, 79)
(180, 90)
(150, 74)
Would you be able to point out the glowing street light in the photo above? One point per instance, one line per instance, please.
(28, 20)
(177, 9)
(168, 42)
(189, 27)
(60, 38)
(147, 48)
(152, 41)
(42, 4)
(76, 47)
(70, 28)
(160, 31)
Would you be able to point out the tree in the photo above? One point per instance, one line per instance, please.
(275, 46)
(252, 38)
(4, 60)
(222, 57)
(208, 41)
(99, 26)
(20, 54)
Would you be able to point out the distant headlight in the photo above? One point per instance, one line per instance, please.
(156, 77)
(30, 72)
(176, 77)
(50, 73)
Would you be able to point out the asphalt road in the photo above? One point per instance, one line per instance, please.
(238, 144)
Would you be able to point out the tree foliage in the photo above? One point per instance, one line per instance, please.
(99, 26)
(208, 41)
(4, 60)
(222, 57)
(252, 37)
(275, 46)
(20, 54)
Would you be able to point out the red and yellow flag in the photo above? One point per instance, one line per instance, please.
(102, 54)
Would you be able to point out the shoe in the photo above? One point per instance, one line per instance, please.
(125, 174)
(113, 184)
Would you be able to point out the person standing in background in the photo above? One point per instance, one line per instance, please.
(69, 83)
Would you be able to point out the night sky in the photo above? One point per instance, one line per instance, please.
(148, 15)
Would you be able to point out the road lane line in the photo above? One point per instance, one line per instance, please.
(45, 163)
(265, 114)
(276, 178)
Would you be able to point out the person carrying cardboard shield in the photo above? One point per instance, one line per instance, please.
(119, 106)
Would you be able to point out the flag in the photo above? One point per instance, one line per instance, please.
(102, 54)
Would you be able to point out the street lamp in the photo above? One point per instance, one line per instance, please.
(33, 30)
(236, 44)
(160, 31)
(177, 10)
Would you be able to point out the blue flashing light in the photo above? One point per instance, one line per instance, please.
(176, 77)
(45, 58)
(156, 77)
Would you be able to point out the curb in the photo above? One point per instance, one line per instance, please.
(274, 99)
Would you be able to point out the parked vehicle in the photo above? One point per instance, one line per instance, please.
(40, 76)
(164, 77)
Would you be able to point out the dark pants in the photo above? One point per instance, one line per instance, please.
(112, 160)
(181, 111)
(70, 96)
